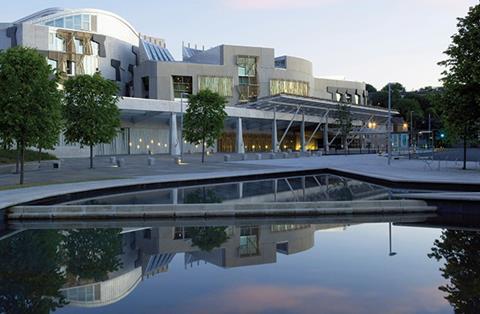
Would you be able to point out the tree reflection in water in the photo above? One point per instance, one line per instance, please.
(30, 272)
(90, 254)
(36, 264)
(461, 252)
(207, 238)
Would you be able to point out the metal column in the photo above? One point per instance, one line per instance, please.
(326, 143)
(302, 134)
(274, 132)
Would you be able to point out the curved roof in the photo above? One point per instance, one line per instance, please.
(52, 13)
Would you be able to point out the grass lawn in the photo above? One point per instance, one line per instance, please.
(10, 156)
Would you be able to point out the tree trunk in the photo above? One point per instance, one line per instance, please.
(465, 149)
(22, 162)
(91, 156)
(39, 155)
(17, 165)
(203, 151)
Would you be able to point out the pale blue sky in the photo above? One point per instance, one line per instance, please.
(375, 41)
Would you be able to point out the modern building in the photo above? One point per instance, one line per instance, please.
(274, 102)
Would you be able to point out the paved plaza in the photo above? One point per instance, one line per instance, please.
(76, 177)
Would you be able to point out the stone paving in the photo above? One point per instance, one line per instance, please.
(136, 171)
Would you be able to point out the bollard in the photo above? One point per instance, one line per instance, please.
(244, 157)
(113, 160)
(226, 158)
(272, 155)
(285, 155)
(121, 162)
(258, 156)
(150, 161)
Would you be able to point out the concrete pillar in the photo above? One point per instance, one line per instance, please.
(240, 190)
(174, 144)
(240, 144)
(174, 196)
(275, 189)
(326, 145)
(274, 132)
(303, 147)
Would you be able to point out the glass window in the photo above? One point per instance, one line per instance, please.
(50, 23)
(86, 22)
(79, 46)
(56, 43)
(69, 22)
(77, 22)
(247, 66)
(52, 63)
(95, 48)
(221, 85)
(60, 23)
(182, 84)
(289, 87)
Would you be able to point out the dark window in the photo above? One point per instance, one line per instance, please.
(70, 67)
(145, 87)
(147, 233)
(182, 84)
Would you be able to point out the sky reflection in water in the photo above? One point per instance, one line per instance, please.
(276, 268)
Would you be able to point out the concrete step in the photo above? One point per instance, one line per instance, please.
(218, 210)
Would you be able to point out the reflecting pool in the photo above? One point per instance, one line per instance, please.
(384, 264)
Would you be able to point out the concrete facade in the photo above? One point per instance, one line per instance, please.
(153, 86)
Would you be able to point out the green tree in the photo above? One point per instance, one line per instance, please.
(204, 119)
(460, 250)
(344, 119)
(31, 272)
(92, 253)
(207, 238)
(30, 101)
(460, 104)
(91, 113)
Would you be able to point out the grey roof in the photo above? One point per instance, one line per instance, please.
(312, 106)
(157, 53)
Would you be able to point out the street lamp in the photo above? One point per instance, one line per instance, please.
(389, 124)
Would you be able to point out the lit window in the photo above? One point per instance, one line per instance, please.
(182, 85)
(221, 85)
(289, 87)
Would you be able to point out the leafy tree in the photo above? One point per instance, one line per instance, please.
(207, 238)
(370, 88)
(460, 105)
(460, 251)
(91, 113)
(204, 119)
(344, 119)
(92, 253)
(30, 272)
(30, 101)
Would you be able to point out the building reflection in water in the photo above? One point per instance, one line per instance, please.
(148, 252)
(293, 189)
